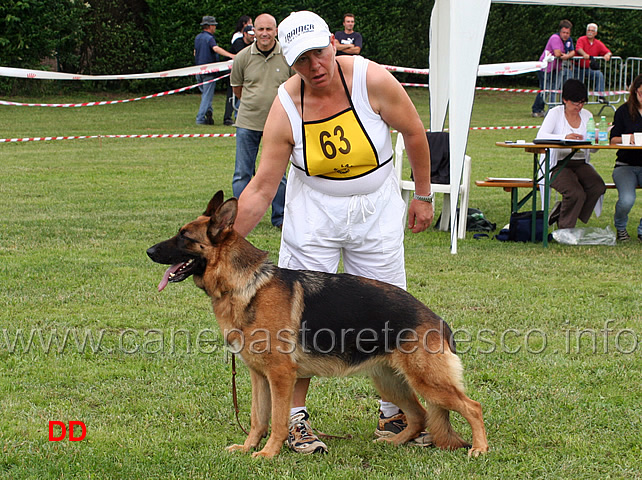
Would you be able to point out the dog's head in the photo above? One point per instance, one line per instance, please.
(187, 252)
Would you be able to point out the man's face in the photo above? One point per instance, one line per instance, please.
(565, 33)
(265, 29)
(591, 32)
(348, 24)
(247, 38)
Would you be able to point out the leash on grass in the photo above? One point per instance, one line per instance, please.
(236, 407)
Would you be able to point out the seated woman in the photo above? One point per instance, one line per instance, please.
(578, 182)
(627, 173)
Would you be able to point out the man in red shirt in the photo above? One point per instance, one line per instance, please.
(589, 46)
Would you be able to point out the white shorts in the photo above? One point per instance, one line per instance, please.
(366, 229)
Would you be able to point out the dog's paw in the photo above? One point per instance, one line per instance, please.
(236, 448)
(264, 454)
(383, 439)
(477, 451)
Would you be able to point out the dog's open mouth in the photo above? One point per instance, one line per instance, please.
(177, 273)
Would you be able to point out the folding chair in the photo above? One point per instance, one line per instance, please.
(440, 179)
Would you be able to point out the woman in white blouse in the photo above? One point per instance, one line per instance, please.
(578, 182)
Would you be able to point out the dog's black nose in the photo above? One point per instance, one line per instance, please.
(151, 251)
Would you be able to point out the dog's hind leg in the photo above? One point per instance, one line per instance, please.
(260, 416)
(439, 382)
(394, 388)
(281, 384)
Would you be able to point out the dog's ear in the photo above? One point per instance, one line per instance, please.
(215, 202)
(222, 219)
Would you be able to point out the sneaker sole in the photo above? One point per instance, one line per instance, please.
(319, 449)
(384, 434)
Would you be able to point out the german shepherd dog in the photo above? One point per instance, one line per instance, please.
(287, 324)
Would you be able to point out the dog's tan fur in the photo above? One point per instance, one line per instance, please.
(260, 309)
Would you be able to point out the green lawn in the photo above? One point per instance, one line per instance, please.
(550, 338)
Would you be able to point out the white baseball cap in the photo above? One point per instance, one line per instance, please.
(300, 32)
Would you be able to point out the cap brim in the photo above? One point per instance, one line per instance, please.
(309, 44)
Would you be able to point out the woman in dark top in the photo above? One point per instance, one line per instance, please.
(627, 173)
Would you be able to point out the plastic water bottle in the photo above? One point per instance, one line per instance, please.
(597, 133)
(590, 130)
(604, 134)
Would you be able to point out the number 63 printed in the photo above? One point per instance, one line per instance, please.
(327, 141)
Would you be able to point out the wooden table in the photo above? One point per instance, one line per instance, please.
(545, 149)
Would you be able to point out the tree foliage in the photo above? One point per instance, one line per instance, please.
(128, 36)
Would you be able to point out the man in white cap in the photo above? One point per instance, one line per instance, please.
(332, 121)
(207, 51)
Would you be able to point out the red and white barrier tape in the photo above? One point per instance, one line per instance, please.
(84, 137)
(506, 128)
(190, 135)
(178, 72)
(484, 70)
(420, 71)
(523, 90)
(493, 69)
(110, 102)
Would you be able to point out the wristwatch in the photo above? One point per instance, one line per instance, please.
(425, 198)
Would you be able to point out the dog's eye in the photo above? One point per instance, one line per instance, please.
(185, 238)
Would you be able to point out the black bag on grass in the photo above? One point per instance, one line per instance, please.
(475, 221)
(520, 227)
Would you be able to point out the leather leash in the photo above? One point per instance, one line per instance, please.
(234, 396)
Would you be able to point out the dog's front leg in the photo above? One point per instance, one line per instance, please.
(281, 387)
(260, 416)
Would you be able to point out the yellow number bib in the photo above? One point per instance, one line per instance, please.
(338, 147)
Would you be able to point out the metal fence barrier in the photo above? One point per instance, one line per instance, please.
(632, 68)
(605, 81)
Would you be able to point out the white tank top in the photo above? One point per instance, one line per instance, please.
(376, 130)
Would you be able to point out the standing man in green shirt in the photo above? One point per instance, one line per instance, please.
(257, 73)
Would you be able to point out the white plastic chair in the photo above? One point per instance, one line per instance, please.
(408, 186)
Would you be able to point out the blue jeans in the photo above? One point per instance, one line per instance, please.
(594, 80)
(207, 94)
(247, 148)
(626, 180)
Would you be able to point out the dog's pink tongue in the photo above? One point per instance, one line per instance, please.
(168, 272)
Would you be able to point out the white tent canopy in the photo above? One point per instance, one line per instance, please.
(457, 30)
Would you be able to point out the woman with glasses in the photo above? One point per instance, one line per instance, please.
(627, 173)
(578, 182)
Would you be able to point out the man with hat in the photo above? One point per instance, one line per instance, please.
(244, 41)
(332, 122)
(207, 51)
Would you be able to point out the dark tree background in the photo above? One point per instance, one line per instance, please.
(130, 36)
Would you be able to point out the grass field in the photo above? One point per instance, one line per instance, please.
(550, 338)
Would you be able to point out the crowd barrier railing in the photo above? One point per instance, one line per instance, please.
(605, 81)
(632, 68)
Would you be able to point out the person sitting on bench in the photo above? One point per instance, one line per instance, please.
(578, 182)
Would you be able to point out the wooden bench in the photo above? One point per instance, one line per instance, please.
(513, 185)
